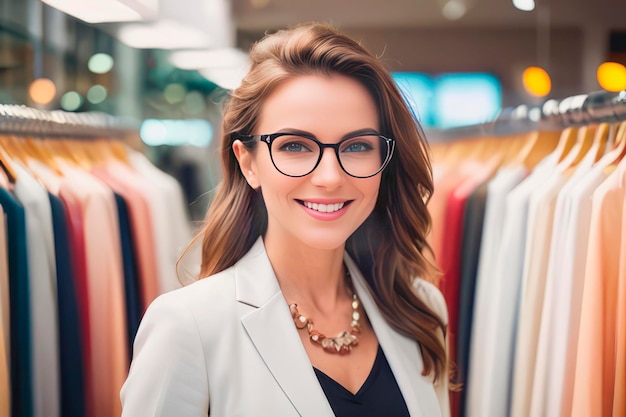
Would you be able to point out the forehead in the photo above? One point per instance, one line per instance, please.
(325, 105)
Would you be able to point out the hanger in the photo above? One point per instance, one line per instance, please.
(538, 144)
(36, 150)
(120, 150)
(71, 151)
(6, 167)
(615, 155)
(584, 140)
(600, 140)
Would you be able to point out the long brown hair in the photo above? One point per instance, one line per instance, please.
(389, 247)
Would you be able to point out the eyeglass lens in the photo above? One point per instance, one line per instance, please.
(360, 156)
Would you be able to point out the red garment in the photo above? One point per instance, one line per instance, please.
(74, 216)
(451, 255)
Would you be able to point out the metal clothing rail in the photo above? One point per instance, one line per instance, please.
(18, 119)
(595, 107)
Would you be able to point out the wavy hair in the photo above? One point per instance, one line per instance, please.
(390, 245)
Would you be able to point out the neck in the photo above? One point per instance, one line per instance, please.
(315, 278)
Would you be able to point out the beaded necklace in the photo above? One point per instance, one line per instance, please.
(343, 342)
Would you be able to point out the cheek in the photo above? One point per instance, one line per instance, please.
(372, 189)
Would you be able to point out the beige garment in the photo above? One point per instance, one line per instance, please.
(619, 390)
(536, 256)
(596, 357)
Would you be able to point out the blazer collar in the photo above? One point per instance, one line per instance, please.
(402, 353)
(274, 335)
(271, 329)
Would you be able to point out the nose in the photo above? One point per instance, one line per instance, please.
(328, 172)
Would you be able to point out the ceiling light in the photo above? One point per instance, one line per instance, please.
(214, 58)
(524, 5)
(227, 78)
(454, 9)
(100, 11)
(164, 34)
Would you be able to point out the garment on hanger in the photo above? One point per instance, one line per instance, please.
(541, 328)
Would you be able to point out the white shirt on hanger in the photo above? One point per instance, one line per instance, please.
(43, 294)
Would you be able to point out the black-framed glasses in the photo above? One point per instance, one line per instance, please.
(361, 155)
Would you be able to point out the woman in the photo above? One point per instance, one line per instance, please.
(318, 229)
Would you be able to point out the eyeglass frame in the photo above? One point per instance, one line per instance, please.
(270, 137)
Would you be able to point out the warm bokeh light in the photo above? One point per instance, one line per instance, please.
(42, 90)
(612, 76)
(536, 81)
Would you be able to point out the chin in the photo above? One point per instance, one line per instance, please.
(324, 241)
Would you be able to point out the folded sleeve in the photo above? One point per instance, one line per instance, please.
(168, 374)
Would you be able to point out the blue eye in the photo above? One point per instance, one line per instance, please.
(294, 147)
(361, 144)
(358, 147)
(294, 144)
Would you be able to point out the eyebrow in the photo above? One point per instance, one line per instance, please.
(364, 131)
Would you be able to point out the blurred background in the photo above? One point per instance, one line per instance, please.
(165, 66)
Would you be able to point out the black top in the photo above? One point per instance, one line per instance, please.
(379, 396)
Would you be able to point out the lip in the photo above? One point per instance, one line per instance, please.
(336, 212)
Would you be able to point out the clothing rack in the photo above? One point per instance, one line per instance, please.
(20, 119)
(595, 107)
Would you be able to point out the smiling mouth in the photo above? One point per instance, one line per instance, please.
(324, 208)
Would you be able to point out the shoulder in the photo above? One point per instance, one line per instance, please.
(213, 290)
(432, 296)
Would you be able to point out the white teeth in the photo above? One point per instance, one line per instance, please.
(324, 208)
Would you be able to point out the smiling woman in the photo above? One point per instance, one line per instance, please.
(319, 232)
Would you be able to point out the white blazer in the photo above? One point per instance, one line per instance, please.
(226, 345)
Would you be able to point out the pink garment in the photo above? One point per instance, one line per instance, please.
(447, 178)
(127, 183)
(108, 355)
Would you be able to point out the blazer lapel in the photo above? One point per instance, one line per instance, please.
(402, 353)
(274, 335)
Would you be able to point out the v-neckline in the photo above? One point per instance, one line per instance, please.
(371, 377)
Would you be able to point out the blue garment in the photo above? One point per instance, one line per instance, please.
(19, 294)
(131, 280)
(72, 384)
(379, 396)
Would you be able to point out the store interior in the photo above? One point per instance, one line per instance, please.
(137, 87)
(171, 70)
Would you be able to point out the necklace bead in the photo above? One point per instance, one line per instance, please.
(343, 342)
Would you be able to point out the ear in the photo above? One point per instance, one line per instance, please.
(247, 165)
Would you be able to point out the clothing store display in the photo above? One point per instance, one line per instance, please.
(540, 326)
(77, 269)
